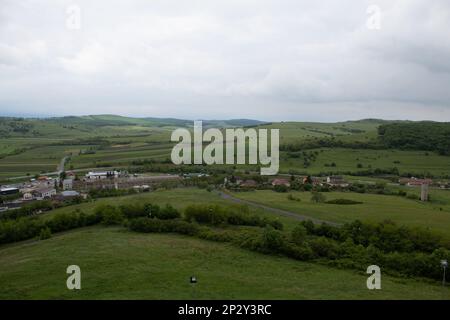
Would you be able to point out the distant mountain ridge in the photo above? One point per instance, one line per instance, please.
(114, 120)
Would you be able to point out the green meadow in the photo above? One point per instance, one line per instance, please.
(178, 197)
(356, 160)
(434, 215)
(118, 264)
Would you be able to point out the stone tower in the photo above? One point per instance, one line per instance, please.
(424, 192)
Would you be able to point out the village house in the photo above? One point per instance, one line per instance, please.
(412, 182)
(316, 181)
(70, 175)
(67, 184)
(27, 196)
(249, 184)
(102, 175)
(337, 181)
(45, 193)
(45, 182)
(281, 182)
(69, 194)
(8, 191)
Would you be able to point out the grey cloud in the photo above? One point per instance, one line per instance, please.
(198, 59)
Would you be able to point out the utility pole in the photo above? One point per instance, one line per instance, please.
(444, 264)
(193, 281)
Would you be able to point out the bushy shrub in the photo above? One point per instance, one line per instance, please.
(28, 210)
(109, 215)
(45, 233)
(213, 235)
(280, 188)
(317, 197)
(156, 225)
(235, 216)
(309, 226)
(168, 212)
(343, 201)
(272, 239)
(292, 198)
(204, 214)
(303, 252)
(133, 210)
(299, 234)
(276, 224)
(324, 248)
(20, 229)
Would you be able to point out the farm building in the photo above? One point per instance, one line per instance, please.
(45, 193)
(414, 181)
(67, 184)
(337, 181)
(8, 191)
(281, 182)
(102, 175)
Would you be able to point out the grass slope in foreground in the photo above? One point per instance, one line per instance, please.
(117, 264)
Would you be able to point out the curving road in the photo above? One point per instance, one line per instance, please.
(277, 211)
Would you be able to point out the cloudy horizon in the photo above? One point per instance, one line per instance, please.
(198, 59)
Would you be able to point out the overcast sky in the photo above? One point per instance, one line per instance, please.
(217, 59)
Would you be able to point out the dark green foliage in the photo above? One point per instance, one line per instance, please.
(343, 201)
(317, 197)
(165, 213)
(272, 239)
(386, 236)
(106, 193)
(133, 210)
(109, 215)
(291, 197)
(216, 215)
(45, 233)
(28, 210)
(425, 135)
(324, 248)
(299, 234)
(280, 188)
(30, 227)
(156, 225)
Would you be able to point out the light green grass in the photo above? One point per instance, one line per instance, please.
(347, 160)
(179, 198)
(375, 208)
(117, 264)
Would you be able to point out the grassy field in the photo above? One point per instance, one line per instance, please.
(117, 264)
(374, 208)
(122, 154)
(179, 198)
(349, 130)
(347, 160)
(131, 139)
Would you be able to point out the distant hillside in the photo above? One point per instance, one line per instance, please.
(113, 120)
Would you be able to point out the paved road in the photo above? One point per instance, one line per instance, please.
(61, 165)
(281, 212)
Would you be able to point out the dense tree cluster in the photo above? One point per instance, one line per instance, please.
(425, 135)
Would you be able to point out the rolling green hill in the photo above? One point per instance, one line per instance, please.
(31, 146)
(118, 264)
